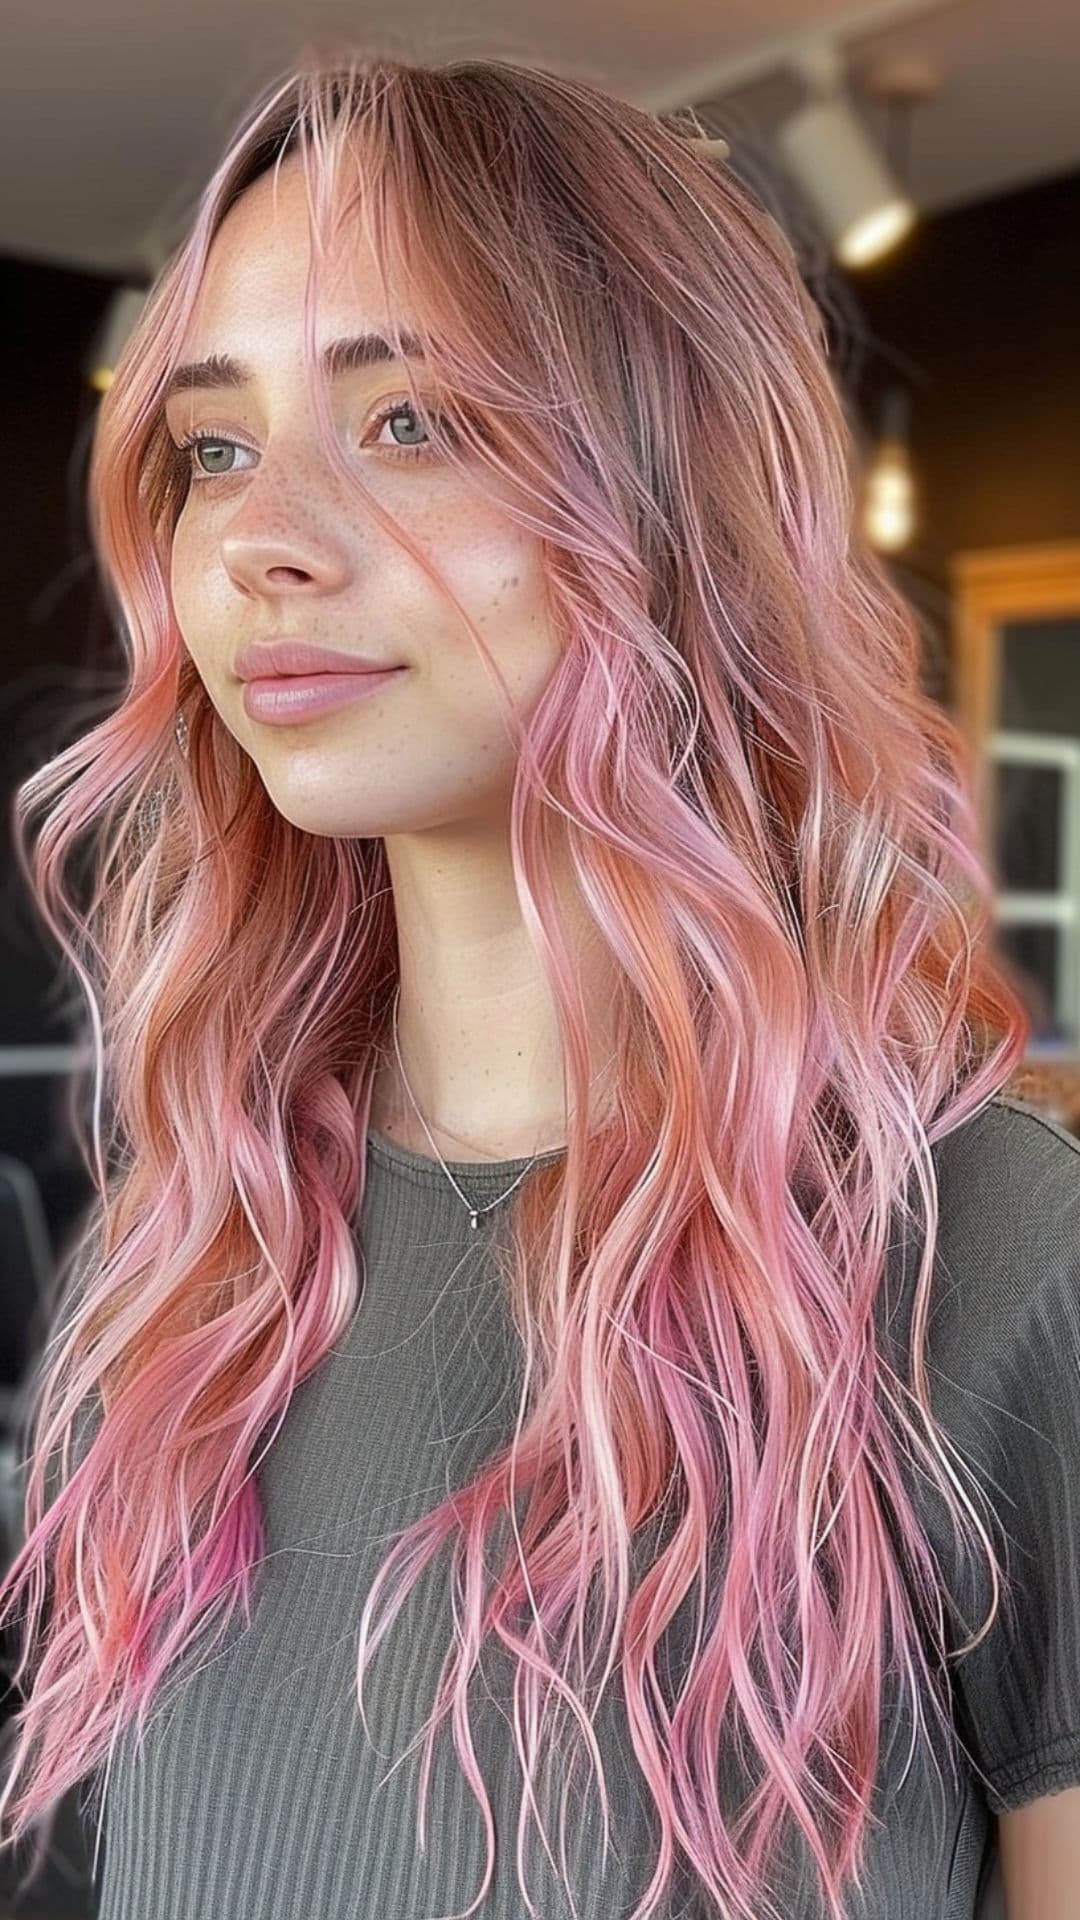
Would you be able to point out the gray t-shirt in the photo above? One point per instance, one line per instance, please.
(259, 1796)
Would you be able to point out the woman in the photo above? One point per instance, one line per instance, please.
(554, 1080)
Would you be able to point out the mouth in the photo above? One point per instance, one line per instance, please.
(299, 659)
(287, 699)
(323, 673)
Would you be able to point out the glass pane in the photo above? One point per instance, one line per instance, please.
(1037, 953)
(1040, 676)
(1027, 817)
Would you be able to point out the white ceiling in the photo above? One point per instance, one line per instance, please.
(114, 113)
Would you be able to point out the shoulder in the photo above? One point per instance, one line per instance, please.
(1008, 1143)
(1009, 1206)
(1003, 1325)
(1003, 1319)
(1003, 1360)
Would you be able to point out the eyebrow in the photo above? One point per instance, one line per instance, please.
(359, 350)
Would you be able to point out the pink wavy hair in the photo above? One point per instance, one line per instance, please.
(772, 825)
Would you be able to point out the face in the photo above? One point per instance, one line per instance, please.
(270, 544)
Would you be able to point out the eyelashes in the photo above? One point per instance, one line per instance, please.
(210, 436)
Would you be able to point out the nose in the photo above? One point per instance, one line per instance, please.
(283, 561)
(281, 539)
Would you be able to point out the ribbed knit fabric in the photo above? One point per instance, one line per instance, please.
(259, 1796)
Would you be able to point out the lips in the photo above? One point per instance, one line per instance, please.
(269, 659)
(290, 699)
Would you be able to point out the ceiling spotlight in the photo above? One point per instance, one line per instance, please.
(862, 206)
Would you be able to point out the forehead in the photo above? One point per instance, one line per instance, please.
(257, 265)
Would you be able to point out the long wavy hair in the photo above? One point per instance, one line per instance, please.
(774, 831)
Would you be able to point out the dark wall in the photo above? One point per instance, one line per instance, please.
(983, 308)
(55, 647)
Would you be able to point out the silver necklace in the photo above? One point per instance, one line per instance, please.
(472, 1211)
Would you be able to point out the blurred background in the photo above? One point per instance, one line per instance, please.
(925, 160)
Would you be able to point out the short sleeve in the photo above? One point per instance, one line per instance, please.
(1005, 1374)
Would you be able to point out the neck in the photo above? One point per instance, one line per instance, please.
(500, 1145)
(476, 1026)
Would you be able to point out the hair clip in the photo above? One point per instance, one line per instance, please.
(710, 146)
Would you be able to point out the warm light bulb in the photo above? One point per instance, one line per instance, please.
(889, 514)
(875, 233)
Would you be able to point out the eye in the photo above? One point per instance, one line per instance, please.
(221, 446)
(389, 415)
(203, 438)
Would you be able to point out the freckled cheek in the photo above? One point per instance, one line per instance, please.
(204, 603)
(189, 562)
(183, 585)
(530, 630)
(504, 586)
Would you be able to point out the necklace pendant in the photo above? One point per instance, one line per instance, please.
(472, 1216)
